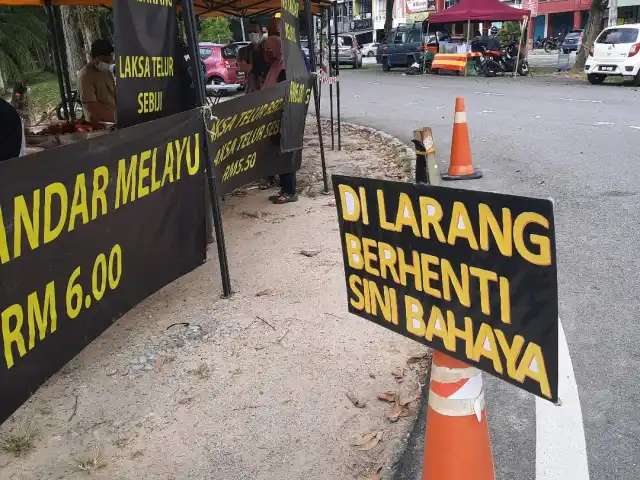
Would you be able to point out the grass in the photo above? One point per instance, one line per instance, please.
(202, 371)
(91, 462)
(45, 92)
(20, 443)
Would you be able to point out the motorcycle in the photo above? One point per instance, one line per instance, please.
(552, 43)
(505, 61)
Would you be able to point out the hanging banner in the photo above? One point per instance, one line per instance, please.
(471, 274)
(294, 114)
(532, 6)
(87, 231)
(246, 138)
(296, 102)
(147, 63)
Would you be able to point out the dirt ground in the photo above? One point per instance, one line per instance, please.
(276, 382)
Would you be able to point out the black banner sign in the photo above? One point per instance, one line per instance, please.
(290, 34)
(471, 274)
(246, 138)
(294, 113)
(147, 64)
(87, 231)
(298, 94)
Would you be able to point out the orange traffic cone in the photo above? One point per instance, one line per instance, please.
(457, 445)
(461, 165)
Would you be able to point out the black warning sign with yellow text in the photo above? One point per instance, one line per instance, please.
(147, 63)
(296, 102)
(471, 274)
(245, 138)
(87, 231)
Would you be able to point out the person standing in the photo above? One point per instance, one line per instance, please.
(274, 56)
(252, 61)
(96, 84)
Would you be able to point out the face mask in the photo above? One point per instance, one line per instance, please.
(255, 37)
(103, 67)
(265, 36)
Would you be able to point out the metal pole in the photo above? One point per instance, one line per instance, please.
(321, 49)
(522, 27)
(467, 47)
(314, 87)
(242, 27)
(335, 29)
(190, 27)
(329, 45)
(57, 19)
(56, 59)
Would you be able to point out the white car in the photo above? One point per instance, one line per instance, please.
(615, 52)
(369, 49)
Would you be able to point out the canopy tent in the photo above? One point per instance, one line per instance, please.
(479, 10)
(246, 8)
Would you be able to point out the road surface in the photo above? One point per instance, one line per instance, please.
(579, 145)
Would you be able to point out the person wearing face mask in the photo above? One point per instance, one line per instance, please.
(274, 55)
(252, 61)
(96, 84)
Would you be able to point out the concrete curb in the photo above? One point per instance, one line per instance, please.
(404, 153)
(405, 462)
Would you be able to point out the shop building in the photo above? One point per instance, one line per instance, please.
(379, 12)
(556, 17)
(356, 17)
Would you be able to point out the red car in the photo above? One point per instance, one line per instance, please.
(221, 62)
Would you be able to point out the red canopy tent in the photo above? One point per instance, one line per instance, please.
(480, 11)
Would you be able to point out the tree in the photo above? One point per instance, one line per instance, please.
(23, 36)
(388, 18)
(591, 31)
(76, 56)
(216, 30)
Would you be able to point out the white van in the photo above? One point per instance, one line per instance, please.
(615, 52)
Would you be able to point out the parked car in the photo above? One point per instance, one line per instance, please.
(369, 49)
(403, 48)
(349, 52)
(615, 53)
(221, 63)
(572, 41)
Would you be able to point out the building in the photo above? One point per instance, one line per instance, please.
(356, 16)
(379, 12)
(557, 17)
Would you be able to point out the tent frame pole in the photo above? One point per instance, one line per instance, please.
(329, 45)
(335, 30)
(189, 20)
(56, 58)
(314, 87)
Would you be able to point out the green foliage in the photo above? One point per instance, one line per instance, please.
(510, 32)
(217, 30)
(23, 40)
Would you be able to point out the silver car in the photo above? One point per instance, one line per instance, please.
(349, 52)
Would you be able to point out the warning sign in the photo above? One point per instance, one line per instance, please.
(471, 274)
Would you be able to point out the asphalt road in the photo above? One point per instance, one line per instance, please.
(579, 145)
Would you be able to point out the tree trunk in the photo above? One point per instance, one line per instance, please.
(593, 28)
(75, 52)
(388, 19)
(2, 83)
(89, 20)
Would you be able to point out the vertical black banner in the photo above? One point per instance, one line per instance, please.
(147, 64)
(296, 101)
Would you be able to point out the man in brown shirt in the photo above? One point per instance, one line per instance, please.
(96, 84)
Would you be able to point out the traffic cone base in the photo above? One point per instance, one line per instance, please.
(460, 165)
(457, 444)
(463, 174)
